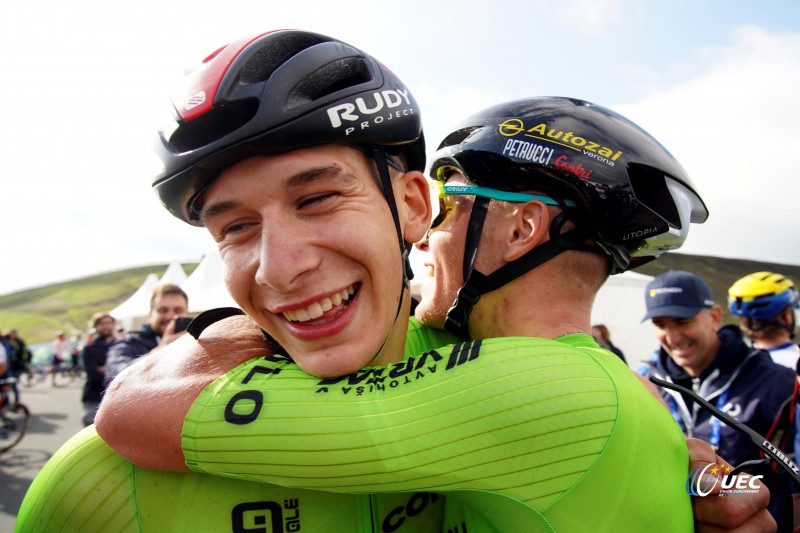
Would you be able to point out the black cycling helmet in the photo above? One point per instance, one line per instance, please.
(276, 92)
(626, 194)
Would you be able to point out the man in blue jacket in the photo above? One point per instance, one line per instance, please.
(166, 304)
(714, 361)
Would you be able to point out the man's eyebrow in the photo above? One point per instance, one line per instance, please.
(318, 173)
(311, 175)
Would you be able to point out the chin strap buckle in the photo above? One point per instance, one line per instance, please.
(457, 319)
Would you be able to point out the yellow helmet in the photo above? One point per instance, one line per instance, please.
(761, 295)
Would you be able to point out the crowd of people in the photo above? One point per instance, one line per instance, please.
(498, 406)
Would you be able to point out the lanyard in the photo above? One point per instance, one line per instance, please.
(716, 424)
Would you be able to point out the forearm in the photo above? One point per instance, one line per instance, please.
(142, 413)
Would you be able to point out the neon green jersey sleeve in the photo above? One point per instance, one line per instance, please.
(554, 433)
(87, 487)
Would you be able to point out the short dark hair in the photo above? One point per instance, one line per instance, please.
(167, 288)
(100, 315)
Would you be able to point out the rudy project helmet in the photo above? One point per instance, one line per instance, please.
(761, 295)
(636, 198)
(277, 92)
(621, 188)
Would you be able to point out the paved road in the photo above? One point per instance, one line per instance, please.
(56, 416)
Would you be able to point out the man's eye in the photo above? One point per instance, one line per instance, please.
(315, 199)
(232, 229)
(444, 210)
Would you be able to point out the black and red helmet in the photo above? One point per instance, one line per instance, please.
(277, 92)
(631, 195)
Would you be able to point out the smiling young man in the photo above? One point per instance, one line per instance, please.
(313, 221)
(302, 263)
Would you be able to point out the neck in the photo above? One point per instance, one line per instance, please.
(393, 347)
(532, 306)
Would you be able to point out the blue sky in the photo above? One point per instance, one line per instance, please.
(87, 82)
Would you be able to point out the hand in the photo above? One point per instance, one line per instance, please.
(169, 336)
(743, 514)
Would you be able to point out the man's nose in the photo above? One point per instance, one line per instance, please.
(284, 256)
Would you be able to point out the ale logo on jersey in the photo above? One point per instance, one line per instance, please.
(703, 480)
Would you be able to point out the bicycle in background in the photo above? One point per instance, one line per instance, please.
(15, 419)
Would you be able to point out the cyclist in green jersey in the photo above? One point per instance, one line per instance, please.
(337, 187)
(213, 450)
(413, 504)
(645, 238)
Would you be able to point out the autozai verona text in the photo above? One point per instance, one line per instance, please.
(514, 126)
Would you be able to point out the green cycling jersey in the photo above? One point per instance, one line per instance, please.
(513, 435)
(520, 434)
(86, 486)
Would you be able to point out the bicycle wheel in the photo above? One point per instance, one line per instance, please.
(14, 422)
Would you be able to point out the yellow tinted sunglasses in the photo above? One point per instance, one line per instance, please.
(439, 190)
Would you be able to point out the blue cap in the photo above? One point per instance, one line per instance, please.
(677, 294)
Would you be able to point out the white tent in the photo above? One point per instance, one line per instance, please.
(137, 305)
(174, 275)
(205, 286)
(620, 306)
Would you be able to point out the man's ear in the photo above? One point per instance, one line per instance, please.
(414, 204)
(530, 227)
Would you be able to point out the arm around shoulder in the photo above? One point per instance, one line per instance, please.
(143, 410)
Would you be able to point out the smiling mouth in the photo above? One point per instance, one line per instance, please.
(324, 310)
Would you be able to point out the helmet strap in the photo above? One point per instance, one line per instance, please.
(477, 283)
(381, 162)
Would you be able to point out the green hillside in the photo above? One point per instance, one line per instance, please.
(38, 313)
(720, 273)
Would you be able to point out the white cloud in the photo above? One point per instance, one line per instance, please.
(734, 128)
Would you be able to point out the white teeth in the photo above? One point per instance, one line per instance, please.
(317, 309)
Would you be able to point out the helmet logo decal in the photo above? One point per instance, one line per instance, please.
(389, 98)
(527, 151)
(195, 100)
(562, 163)
(514, 126)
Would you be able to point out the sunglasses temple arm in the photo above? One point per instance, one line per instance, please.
(771, 452)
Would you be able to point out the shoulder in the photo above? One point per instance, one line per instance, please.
(63, 494)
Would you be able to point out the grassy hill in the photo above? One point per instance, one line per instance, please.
(720, 273)
(38, 313)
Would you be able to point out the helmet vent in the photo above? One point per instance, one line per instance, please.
(457, 137)
(212, 126)
(340, 74)
(650, 189)
(273, 53)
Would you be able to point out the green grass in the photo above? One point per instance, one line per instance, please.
(720, 273)
(38, 313)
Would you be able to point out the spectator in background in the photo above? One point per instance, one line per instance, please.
(765, 303)
(93, 357)
(3, 358)
(19, 356)
(61, 351)
(166, 303)
(716, 363)
(603, 337)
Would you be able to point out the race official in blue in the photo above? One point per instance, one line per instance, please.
(698, 353)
